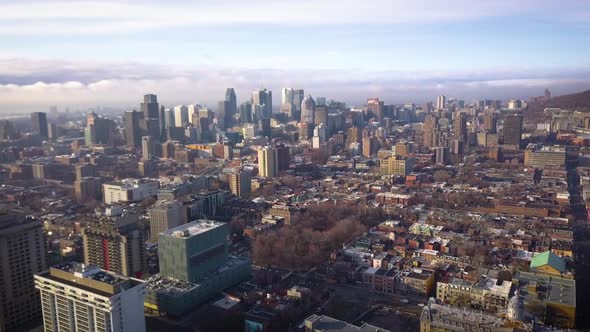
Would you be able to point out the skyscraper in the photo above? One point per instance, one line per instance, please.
(22, 254)
(513, 130)
(132, 128)
(490, 122)
(148, 147)
(76, 297)
(376, 107)
(115, 243)
(151, 115)
(460, 126)
(245, 113)
(441, 102)
(39, 120)
(268, 162)
(298, 96)
(263, 99)
(224, 117)
(232, 107)
(240, 182)
(308, 110)
(99, 130)
(181, 115)
(430, 129)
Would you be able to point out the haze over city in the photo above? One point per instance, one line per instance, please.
(83, 54)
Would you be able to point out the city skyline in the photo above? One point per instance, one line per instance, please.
(84, 54)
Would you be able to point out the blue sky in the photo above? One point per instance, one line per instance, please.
(80, 53)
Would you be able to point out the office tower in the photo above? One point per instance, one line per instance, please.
(76, 297)
(169, 118)
(305, 131)
(321, 101)
(163, 122)
(321, 115)
(490, 121)
(22, 254)
(99, 130)
(263, 99)
(460, 126)
(430, 129)
(458, 146)
(132, 128)
(164, 215)
(116, 242)
(268, 162)
(231, 109)
(298, 96)
(148, 147)
(283, 156)
(308, 110)
(7, 130)
(39, 120)
(513, 130)
(287, 96)
(224, 118)
(194, 267)
(181, 115)
(376, 107)
(193, 110)
(441, 102)
(245, 113)
(240, 183)
(151, 115)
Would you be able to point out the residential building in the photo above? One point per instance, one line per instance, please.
(116, 242)
(317, 323)
(164, 215)
(445, 318)
(240, 183)
(395, 165)
(77, 297)
(22, 254)
(268, 166)
(39, 120)
(513, 130)
(129, 190)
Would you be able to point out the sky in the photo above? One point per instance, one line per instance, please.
(82, 54)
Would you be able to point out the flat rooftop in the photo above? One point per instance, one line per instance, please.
(329, 324)
(446, 312)
(193, 228)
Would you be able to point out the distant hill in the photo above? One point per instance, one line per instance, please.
(576, 101)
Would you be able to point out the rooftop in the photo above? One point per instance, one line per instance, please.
(329, 324)
(194, 228)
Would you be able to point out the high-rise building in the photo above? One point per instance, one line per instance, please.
(262, 99)
(180, 115)
(353, 136)
(321, 115)
(240, 183)
(268, 162)
(284, 156)
(308, 110)
(116, 242)
(164, 215)
(39, 120)
(395, 165)
(430, 129)
(224, 117)
(76, 297)
(22, 254)
(490, 120)
(232, 107)
(151, 115)
(148, 147)
(298, 96)
(194, 267)
(513, 130)
(376, 107)
(132, 128)
(369, 146)
(99, 130)
(460, 127)
(441, 155)
(245, 113)
(441, 102)
(514, 104)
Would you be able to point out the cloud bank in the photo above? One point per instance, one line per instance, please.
(33, 84)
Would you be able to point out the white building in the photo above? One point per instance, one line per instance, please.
(268, 166)
(75, 297)
(441, 102)
(129, 190)
(180, 115)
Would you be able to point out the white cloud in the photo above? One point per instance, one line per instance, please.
(34, 84)
(92, 17)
